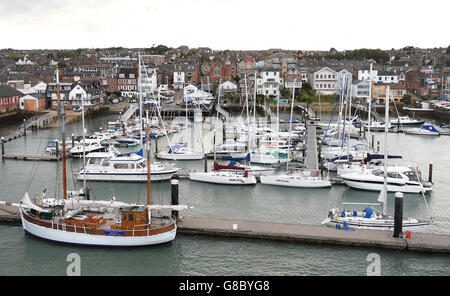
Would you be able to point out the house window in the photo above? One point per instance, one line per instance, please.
(217, 71)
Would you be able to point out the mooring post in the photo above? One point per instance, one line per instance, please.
(378, 145)
(373, 141)
(174, 197)
(24, 127)
(3, 146)
(398, 216)
(430, 172)
(206, 163)
(73, 140)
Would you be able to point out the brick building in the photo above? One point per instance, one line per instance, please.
(9, 98)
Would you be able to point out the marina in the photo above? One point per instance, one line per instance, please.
(276, 153)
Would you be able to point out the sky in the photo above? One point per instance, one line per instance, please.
(224, 24)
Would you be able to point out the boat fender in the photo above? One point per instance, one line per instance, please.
(338, 226)
(355, 213)
(335, 217)
(343, 214)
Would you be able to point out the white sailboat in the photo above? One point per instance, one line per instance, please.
(302, 179)
(181, 151)
(370, 219)
(235, 176)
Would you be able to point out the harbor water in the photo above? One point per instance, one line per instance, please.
(22, 254)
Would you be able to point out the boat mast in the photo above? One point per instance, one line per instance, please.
(248, 119)
(217, 118)
(140, 100)
(290, 124)
(84, 146)
(63, 134)
(148, 166)
(370, 104)
(386, 118)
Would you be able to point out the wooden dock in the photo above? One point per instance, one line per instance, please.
(19, 156)
(318, 234)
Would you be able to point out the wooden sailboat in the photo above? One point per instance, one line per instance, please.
(76, 220)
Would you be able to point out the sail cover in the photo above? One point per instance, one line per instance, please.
(26, 202)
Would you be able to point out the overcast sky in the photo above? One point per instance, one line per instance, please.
(224, 24)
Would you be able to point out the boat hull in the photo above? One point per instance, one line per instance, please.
(406, 226)
(378, 186)
(180, 156)
(289, 181)
(222, 178)
(63, 236)
(126, 177)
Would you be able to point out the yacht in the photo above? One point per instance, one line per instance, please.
(405, 120)
(399, 179)
(180, 151)
(253, 170)
(424, 130)
(302, 179)
(126, 167)
(235, 177)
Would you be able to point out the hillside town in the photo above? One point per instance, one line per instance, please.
(102, 75)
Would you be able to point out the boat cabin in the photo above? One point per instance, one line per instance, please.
(133, 218)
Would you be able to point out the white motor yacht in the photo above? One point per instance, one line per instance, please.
(399, 179)
(127, 167)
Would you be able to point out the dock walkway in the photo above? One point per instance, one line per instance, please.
(317, 234)
(425, 242)
(311, 154)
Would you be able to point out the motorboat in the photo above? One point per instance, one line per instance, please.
(269, 156)
(424, 130)
(378, 126)
(405, 120)
(123, 167)
(399, 179)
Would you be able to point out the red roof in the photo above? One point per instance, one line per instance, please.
(249, 60)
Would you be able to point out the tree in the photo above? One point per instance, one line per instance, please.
(62, 65)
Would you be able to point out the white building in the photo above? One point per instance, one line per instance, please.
(149, 82)
(228, 87)
(387, 77)
(178, 80)
(324, 81)
(268, 83)
(39, 88)
(364, 74)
